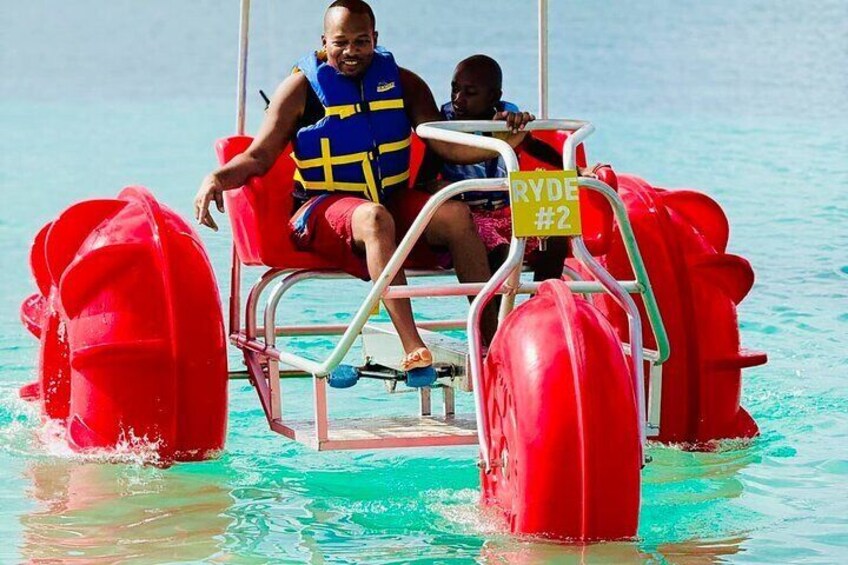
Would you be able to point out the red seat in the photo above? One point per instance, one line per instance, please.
(259, 211)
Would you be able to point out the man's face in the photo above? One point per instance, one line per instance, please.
(349, 40)
(472, 94)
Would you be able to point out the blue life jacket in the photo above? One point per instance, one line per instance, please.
(493, 168)
(361, 144)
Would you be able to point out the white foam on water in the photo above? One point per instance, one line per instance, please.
(462, 509)
(130, 449)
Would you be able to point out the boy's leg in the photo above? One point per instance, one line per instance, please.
(549, 263)
(453, 227)
(497, 257)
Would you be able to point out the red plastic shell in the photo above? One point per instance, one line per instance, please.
(562, 422)
(595, 213)
(132, 340)
(682, 236)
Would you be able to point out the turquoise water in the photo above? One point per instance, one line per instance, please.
(748, 103)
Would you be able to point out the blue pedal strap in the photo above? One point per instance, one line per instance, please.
(421, 377)
(343, 376)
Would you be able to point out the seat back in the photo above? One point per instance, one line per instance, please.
(260, 210)
(595, 213)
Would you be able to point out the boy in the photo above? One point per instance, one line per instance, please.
(476, 95)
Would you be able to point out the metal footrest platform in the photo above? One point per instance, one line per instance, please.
(383, 433)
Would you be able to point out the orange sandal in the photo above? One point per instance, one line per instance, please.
(417, 359)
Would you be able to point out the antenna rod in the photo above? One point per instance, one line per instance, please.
(543, 59)
(242, 66)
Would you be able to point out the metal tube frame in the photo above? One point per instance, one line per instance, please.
(460, 132)
(505, 281)
(543, 59)
(241, 98)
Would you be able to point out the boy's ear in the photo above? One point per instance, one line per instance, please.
(496, 94)
(375, 37)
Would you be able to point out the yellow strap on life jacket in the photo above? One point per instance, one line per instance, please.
(334, 160)
(395, 145)
(327, 160)
(327, 163)
(395, 179)
(347, 110)
(360, 187)
(372, 191)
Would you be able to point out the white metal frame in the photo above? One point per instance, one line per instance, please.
(263, 357)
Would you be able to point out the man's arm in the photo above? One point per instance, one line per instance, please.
(543, 152)
(274, 134)
(421, 108)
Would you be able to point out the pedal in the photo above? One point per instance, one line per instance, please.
(424, 376)
(343, 376)
(381, 346)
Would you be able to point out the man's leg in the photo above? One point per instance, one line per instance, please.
(374, 233)
(453, 227)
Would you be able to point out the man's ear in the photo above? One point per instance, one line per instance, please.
(375, 37)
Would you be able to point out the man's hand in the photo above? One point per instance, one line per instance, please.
(591, 171)
(276, 131)
(209, 190)
(515, 121)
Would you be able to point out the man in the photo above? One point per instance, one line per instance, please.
(348, 114)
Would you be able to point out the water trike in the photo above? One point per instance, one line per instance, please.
(565, 398)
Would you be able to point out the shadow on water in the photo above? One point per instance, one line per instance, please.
(271, 500)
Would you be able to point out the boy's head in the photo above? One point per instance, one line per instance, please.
(476, 88)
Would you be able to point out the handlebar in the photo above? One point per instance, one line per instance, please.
(463, 132)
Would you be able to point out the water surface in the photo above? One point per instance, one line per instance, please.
(746, 102)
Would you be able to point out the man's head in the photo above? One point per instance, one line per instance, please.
(349, 36)
(476, 87)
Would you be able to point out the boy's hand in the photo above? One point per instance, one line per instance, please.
(515, 121)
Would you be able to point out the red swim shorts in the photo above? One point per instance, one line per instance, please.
(331, 237)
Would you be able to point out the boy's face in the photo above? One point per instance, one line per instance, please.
(472, 94)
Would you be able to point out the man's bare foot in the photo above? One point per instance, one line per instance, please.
(417, 359)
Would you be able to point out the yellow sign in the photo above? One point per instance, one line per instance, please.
(544, 203)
